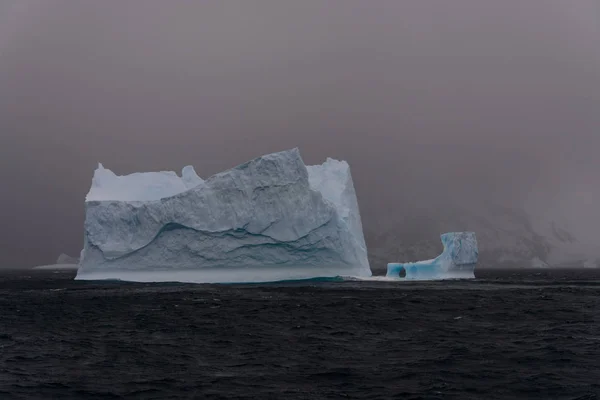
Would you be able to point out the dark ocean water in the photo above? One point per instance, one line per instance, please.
(506, 335)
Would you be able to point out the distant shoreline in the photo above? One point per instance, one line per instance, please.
(57, 266)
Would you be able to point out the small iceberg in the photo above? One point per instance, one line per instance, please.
(64, 262)
(457, 261)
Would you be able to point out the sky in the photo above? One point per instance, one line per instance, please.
(430, 99)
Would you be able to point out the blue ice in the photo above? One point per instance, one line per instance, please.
(457, 261)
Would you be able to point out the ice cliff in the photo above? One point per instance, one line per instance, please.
(456, 261)
(270, 219)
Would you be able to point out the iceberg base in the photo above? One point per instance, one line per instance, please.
(221, 275)
(429, 270)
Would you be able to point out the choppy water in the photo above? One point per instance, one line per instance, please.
(506, 335)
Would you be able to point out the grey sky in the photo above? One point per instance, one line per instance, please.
(468, 99)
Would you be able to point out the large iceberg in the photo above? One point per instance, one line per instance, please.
(457, 261)
(270, 219)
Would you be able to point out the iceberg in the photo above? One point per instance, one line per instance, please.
(64, 262)
(536, 262)
(64, 259)
(270, 219)
(457, 261)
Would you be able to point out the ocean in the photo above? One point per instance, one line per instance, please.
(513, 334)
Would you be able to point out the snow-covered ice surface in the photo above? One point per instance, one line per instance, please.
(140, 186)
(269, 219)
(457, 261)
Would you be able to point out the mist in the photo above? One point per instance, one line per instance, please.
(428, 101)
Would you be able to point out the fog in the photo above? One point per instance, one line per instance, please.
(427, 100)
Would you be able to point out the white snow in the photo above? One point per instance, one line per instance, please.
(269, 219)
(190, 178)
(145, 186)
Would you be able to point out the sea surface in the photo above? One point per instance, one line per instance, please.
(514, 334)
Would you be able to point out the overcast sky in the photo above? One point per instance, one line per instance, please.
(465, 98)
